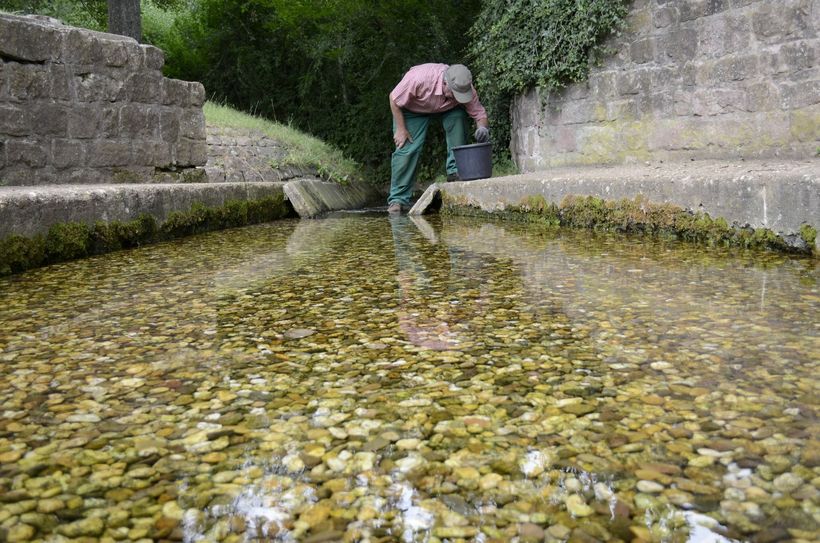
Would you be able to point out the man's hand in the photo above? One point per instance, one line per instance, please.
(401, 137)
(482, 134)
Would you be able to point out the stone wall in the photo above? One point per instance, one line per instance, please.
(82, 107)
(689, 79)
(241, 155)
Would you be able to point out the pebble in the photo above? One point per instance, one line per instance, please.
(650, 487)
(577, 507)
(20, 532)
(787, 482)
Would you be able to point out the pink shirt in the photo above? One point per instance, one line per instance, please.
(422, 90)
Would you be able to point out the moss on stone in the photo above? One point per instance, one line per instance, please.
(68, 241)
(809, 234)
(19, 253)
(636, 216)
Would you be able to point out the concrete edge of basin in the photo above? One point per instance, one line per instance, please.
(783, 198)
(43, 225)
(313, 197)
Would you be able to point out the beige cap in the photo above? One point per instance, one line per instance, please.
(460, 81)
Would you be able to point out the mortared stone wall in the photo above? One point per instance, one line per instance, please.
(688, 79)
(83, 107)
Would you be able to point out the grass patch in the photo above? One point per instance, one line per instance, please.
(303, 150)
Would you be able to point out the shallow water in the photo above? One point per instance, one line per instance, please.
(366, 379)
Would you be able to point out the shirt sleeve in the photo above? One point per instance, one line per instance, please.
(475, 109)
(402, 92)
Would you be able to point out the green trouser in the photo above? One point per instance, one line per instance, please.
(406, 158)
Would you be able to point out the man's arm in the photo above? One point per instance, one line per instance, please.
(401, 136)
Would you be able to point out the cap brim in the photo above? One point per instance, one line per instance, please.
(463, 97)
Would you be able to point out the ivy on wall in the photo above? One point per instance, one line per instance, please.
(517, 44)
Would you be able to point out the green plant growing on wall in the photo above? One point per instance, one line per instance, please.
(518, 44)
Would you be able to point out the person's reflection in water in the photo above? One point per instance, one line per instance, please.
(424, 323)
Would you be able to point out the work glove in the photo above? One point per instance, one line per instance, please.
(482, 134)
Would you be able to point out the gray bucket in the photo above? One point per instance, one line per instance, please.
(474, 161)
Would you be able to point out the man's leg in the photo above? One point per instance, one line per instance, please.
(456, 125)
(405, 159)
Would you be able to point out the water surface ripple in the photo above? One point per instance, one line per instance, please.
(372, 379)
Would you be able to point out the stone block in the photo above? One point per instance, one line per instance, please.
(144, 88)
(642, 51)
(634, 82)
(26, 40)
(15, 120)
(199, 153)
(95, 87)
(575, 112)
(657, 104)
(724, 35)
(525, 111)
(175, 92)
(774, 22)
(108, 153)
(191, 153)
(804, 125)
(677, 46)
(116, 53)
(621, 110)
(109, 123)
(87, 176)
(67, 153)
(28, 81)
(799, 94)
(197, 90)
(26, 152)
(602, 85)
(710, 102)
(733, 68)
(83, 120)
(192, 124)
(154, 58)
(682, 102)
(2, 158)
(4, 86)
(49, 119)
(139, 121)
(60, 78)
(695, 9)
(577, 91)
(17, 176)
(665, 16)
(81, 47)
(799, 55)
(169, 124)
(762, 96)
(151, 153)
(664, 76)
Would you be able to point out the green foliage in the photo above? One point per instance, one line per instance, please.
(68, 241)
(91, 14)
(518, 44)
(323, 66)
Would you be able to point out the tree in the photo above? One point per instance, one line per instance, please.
(124, 18)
